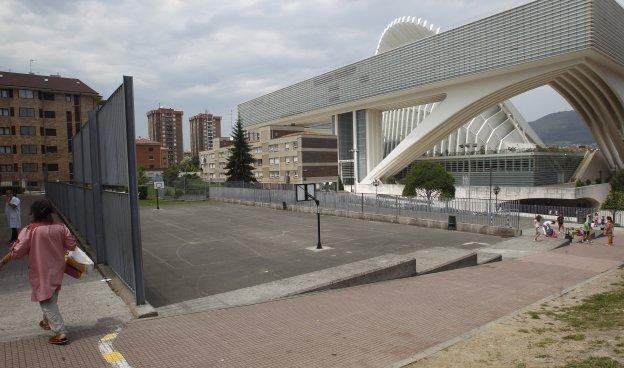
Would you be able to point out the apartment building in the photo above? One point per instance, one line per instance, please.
(282, 154)
(204, 128)
(39, 115)
(164, 125)
(212, 162)
(151, 155)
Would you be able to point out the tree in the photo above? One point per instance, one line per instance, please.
(170, 174)
(614, 202)
(430, 179)
(239, 166)
(617, 181)
(141, 176)
(190, 164)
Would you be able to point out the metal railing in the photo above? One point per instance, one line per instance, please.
(471, 211)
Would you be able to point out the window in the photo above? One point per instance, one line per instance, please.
(6, 93)
(287, 160)
(28, 130)
(26, 93)
(287, 146)
(151, 149)
(5, 131)
(29, 167)
(296, 159)
(150, 157)
(271, 161)
(277, 160)
(68, 116)
(6, 150)
(295, 145)
(49, 114)
(29, 149)
(6, 168)
(47, 96)
(50, 132)
(32, 184)
(5, 112)
(77, 113)
(296, 174)
(26, 112)
(51, 149)
(68, 98)
(52, 167)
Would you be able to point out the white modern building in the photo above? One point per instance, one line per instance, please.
(427, 92)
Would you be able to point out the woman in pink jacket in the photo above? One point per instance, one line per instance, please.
(45, 243)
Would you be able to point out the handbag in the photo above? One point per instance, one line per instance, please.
(70, 268)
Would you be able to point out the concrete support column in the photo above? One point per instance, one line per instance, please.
(374, 139)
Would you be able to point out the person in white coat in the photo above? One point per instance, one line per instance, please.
(12, 213)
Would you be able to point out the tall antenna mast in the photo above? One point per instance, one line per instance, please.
(30, 63)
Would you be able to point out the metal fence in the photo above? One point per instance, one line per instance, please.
(471, 211)
(102, 201)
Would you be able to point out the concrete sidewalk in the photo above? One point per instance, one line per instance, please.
(379, 325)
(85, 304)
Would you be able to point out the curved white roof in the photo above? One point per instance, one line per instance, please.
(495, 129)
(404, 30)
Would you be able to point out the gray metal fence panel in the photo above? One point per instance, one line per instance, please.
(77, 155)
(101, 203)
(116, 211)
(112, 134)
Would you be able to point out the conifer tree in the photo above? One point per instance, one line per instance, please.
(239, 166)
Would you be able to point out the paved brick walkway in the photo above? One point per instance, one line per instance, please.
(368, 326)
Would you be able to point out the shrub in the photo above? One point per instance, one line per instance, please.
(178, 193)
(142, 191)
(598, 180)
(578, 183)
(588, 182)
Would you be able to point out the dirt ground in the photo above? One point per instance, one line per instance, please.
(583, 328)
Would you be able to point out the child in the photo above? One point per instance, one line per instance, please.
(587, 229)
(609, 231)
(537, 223)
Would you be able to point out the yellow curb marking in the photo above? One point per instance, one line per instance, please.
(115, 358)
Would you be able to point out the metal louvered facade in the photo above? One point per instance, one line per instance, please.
(531, 32)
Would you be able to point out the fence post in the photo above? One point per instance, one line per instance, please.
(362, 202)
(396, 202)
(137, 252)
(96, 187)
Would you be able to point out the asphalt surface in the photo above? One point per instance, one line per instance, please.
(199, 249)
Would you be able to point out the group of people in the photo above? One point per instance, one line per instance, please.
(585, 232)
(46, 243)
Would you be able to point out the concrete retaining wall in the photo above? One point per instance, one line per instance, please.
(435, 224)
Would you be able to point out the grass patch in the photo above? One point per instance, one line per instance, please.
(600, 311)
(575, 337)
(596, 362)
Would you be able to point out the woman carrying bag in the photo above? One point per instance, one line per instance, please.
(45, 243)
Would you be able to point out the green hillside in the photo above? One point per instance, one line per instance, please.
(562, 128)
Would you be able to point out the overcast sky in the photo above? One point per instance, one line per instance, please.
(211, 55)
